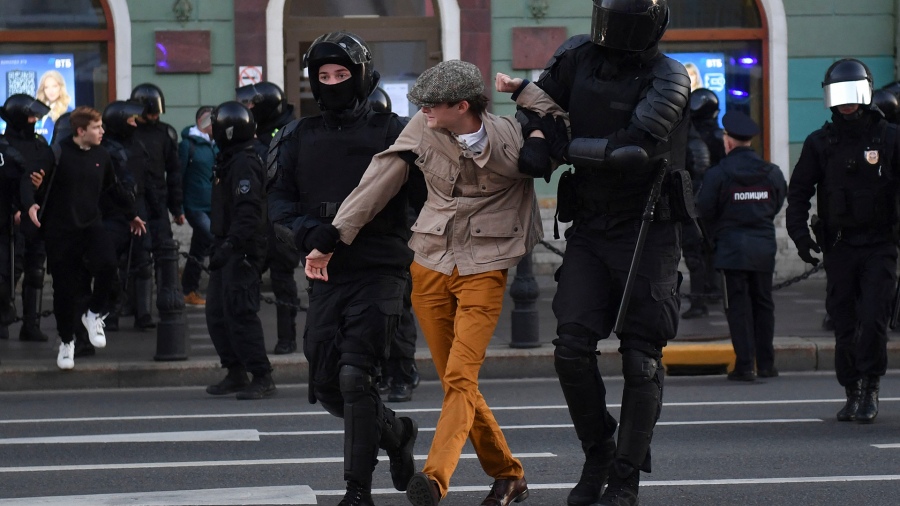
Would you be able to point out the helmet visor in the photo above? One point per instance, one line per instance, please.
(848, 92)
(621, 30)
(38, 109)
(247, 95)
(350, 45)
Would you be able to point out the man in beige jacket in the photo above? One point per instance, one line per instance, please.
(480, 217)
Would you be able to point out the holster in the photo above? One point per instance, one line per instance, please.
(566, 198)
(680, 190)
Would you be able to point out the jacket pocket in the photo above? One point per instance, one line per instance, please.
(439, 171)
(496, 235)
(430, 235)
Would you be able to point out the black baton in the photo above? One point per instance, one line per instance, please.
(646, 219)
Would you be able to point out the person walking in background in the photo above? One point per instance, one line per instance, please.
(197, 154)
(79, 250)
(739, 198)
(852, 165)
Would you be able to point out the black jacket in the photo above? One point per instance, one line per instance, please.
(740, 198)
(238, 212)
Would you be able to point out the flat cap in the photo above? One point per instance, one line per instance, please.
(449, 81)
(739, 126)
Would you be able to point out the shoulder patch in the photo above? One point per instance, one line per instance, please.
(244, 186)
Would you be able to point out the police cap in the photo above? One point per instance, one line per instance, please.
(450, 81)
(739, 126)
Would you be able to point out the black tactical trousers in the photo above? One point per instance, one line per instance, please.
(751, 318)
(402, 356)
(860, 287)
(232, 304)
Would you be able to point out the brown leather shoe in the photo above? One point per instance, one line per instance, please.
(505, 492)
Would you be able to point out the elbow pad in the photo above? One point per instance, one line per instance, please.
(587, 152)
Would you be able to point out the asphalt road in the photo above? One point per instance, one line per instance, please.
(773, 442)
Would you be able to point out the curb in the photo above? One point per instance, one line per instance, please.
(791, 354)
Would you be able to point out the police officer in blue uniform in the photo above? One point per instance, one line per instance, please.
(739, 199)
(852, 165)
(628, 104)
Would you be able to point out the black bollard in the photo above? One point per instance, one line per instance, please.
(524, 292)
(171, 344)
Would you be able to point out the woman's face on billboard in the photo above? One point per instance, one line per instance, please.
(51, 89)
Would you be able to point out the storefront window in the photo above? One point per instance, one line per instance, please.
(717, 14)
(51, 14)
(58, 51)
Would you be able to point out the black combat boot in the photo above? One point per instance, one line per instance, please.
(357, 495)
(31, 316)
(260, 387)
(235, 381)
(398, 441)
(622, 491)
(594, 474)
(854, 396)
(868, 406)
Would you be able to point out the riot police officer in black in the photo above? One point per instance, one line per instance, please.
(626, 102)
(353, 316)
(272, 112)
(238, 223)
(696, 248)
(852, 165)
(739, 199)
(20, 113)
(123, 224)
(161, 182)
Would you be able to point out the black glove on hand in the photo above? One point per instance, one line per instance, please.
(322, 237)
(534, 158)
(221, 256)
(285, 235)
(557, 135)
(804, 245)
(529, 120)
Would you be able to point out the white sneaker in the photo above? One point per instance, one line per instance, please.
(66, 358)
(94, 324)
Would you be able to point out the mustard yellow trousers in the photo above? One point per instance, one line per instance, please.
(458, 315)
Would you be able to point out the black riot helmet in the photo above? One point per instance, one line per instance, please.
(379, 100)
(704, 104)
(266, 100)
(151, 96)
(19, 107)
(116, 116)
(894, 88)
(847, 81)
(347, 49)
(629, 25)
(232, 124)
(887, 103)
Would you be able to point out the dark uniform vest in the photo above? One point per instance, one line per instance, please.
(330, 164)
(858, 197)
(606, 106)
(239, 175)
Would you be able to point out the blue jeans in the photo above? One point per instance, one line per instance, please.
(201, 242)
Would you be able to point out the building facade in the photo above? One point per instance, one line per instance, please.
(764, 57)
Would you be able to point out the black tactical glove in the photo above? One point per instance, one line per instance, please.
(221, 256)
(322, 237)
(804, 245)
(554, 130)
(285, 235)
(534, 158)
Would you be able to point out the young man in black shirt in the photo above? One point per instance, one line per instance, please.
(78, 247)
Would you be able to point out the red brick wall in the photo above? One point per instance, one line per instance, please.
(249, 33)
(475, 37)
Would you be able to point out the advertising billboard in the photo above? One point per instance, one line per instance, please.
(48, 77)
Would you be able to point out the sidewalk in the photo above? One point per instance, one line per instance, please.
(702, 346)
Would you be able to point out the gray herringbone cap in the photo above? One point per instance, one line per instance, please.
(449, 81)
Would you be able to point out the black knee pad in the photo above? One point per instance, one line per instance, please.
(638, 368)
(571, 363)
(355, 382)
(34, 278)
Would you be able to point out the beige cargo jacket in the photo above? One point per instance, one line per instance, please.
(480, 215)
